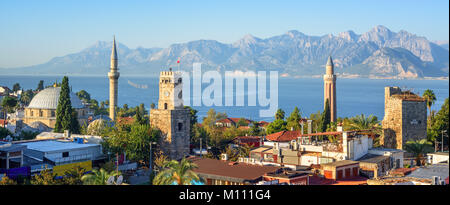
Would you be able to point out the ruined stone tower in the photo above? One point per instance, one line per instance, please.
(171, 117)
(113, 76)
(329, 92)
(405, 118)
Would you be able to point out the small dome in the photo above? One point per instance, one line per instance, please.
(97, 126)
(49, 97)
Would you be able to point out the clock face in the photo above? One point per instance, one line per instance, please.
(166, 93)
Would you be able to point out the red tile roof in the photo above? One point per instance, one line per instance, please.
(286, 136)
(315, 180)
(233, 120)
(234, 170)
(283, 136)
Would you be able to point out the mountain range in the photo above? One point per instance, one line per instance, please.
(378, 53)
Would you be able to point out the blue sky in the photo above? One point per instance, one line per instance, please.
(33, 32)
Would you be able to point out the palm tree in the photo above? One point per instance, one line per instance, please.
(419, 148)
(430, 98)
(361, 122)
(98, 177)
(179, 173)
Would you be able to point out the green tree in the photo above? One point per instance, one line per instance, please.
(98, 177)
(419, 148)
(40, 85)
(73, 176)
(361, 122)
(180, 173)
(45, 177)
(26, 97)
(64, 111)
(279, 115)
(294, 119)
(16, 87)
(4, 132)
(84, 96)
(242, 122)
(7, 181)
(8, 104)
(430, 97)
(276, 126)
(325, 117)
(440, 123)
(255, 130)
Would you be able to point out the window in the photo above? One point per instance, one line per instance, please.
(179, 80)
(65, 154)
(53, 113)
(180, 126)
(40, 113)
(165, 106)
(31, 113)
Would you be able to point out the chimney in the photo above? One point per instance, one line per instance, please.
(309, 126)
(224, 157)
(66, 134)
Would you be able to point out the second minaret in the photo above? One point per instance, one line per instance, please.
(113, 76)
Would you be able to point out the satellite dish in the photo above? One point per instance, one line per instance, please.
(119, 180)
(110, 180)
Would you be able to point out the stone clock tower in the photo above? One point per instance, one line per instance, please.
(171, 117)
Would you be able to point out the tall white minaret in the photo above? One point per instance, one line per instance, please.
(113, 76)
(329, 92)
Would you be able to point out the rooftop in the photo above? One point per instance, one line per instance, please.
(429, 171)
(286, 136)
(371, 158)
(54, 146)
(340, 163)
(235, 171)
(8, 147)
(439, 153)
(49, 97)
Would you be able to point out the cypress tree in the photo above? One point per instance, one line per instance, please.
(294, 119)
(64, 109)
(326, 117)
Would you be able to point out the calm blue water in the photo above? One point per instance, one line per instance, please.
(354, 96)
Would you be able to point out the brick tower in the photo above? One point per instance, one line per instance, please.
(329, 87)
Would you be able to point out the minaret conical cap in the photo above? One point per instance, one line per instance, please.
(114, 52)
(330, 61)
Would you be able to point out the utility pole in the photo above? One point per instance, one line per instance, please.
(151, 157)
(117, 167)
(201, 147)
(442, 140)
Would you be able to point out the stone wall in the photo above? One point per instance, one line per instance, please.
(404, 120)
(175, 130)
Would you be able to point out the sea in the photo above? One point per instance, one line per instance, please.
(355, 96)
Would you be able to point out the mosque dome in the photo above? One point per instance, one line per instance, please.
(49, 97)
(97, 126)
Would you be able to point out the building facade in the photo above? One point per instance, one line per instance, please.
(405, 118)
(113, 76)
(171, 117)
(42, 107)
(329, 92)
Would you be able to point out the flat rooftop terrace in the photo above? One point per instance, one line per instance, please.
(52, 145)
